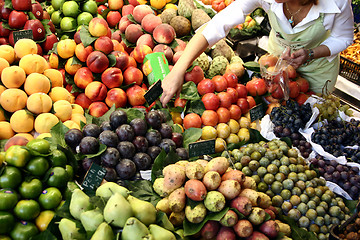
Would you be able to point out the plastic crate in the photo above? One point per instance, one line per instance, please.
(350, 70)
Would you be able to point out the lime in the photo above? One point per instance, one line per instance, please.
(70, 9)
(7, 222)
(56, 4)
(56, 18)
(68, 24)
(27, 209)
(90, 7)
(84, 18)
(50, 198)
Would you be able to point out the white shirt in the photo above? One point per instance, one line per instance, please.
(338, 18)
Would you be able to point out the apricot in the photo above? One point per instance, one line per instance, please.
(44, 122)
(55, 76)
(78, 118)
(3, 64)
(83, 77)
(8, 53)
(53, 60)
(71, 124)
(62, 110)
(13, 99)
(6, 131)
(2, 115)
(39, 103)
(22, 121)
(13, 77)
(33, 63)
(71, 68)
(76, 108)
(66, 48)
(24, 47)
(60, 93)
(35, 83)
(117, 45)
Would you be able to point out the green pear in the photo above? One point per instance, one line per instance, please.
(144, 211)
(103, 232)
(160, 233)
(134, 230)
(80, 202)
(148, 237)
(69, 231)
(109, 188)
(165, 223)
(91, 219)
(117, 210)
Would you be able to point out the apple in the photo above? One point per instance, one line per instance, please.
(37, 28)
(5, 12)
(17, 19)
(4, 32)
(21, 5)
(49, 42)
(37, 10)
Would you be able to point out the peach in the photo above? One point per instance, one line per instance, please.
(13, 77)
(83, 101)
(127, 9)
(116, 35)
(133, 32)
(71, 68)
(122, 59)
(77, 37)
(36, 82)
(135, 95)
(124, 23)
(133, 74)
(83, 77)
(195, 75)
(104, 44)
(97, 62)
(181, 45)
(132, 62)
(150, 22)
(13, 99)
(98, 27)
(116, 96)
(115, 4)
(168, 52)
(82, 52)
(141, 11)
(33, 63)
(97, 109)
(117, 45)
(96, 91)
(126, 48)
(15, 140)
(145, 39)
(176, 56)
(112, 77)
(164, 33)
(140, 52)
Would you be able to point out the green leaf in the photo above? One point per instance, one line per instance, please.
(54, 49)
(189, 91)
(191, 203)
(173, 44)
(112, 60)
(255, 136)
(176, 128)
(252, 66)
(296, 232)
(127, 86)
(233, 146)
(64, 211)
(192, 228)
(240, 215)
(132, 19)
(143, 190)
(133, 113)
(191, 135)
(98, 202)
(102, 149)
(127, 43)
(36, 153)
(103, 118)
(176, 109)
(105, 13)
(287, 140)
(45, 235)
(86, 37)
(351, 204)
(161, 161)
(76, 61)
(195, 106)
(58, 134)
(8, 4)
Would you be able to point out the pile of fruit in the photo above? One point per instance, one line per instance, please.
(193, 190)
(278, 171)
(351, 231)
(28, 202)
(329, 107)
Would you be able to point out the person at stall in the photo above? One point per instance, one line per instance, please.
(313, 31)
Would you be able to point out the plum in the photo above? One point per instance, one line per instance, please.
(73, 137)
(165, 130)
(110, 157)
(126, 149)
(154, 119)
(177, 138)
(117, 118)
(91, 130)
(139, 126)
(142, 161)
(153, 151)
(125, 132)
(89, 145)
(153, 137)
(167, 144)
(182, 153)
(109, 138)
(105, 126)
(141, 143)
(110, 175)
(125, 169)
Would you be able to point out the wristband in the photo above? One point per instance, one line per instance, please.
(311, 55)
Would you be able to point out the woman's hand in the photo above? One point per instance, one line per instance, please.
(297, 58)
(172, 85)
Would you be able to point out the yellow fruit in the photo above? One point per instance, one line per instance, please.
(78, 118)
(220, 145)
(66, 48)
(158, 4)
(55, 77)
(22, 121)
(170, 5)
(76, 108)
(28, 136)
(44, 122)
(54, 61)
(62, 109)
(60, 93)
(2, 115)
(24, 47)
(33, 63)
(244, 122)
(37, 83)
(244, 134)
(13, 77)
(233, 138)
(234, 126)
(176, 117)
(71, 125)
(13, 99)
(42, 221)
(253, 125)
(8, 53)
(71, 68)
(6, 131)
(3, 64)
(43, 135)
(180, 126)
(2, 89)
(208, 132)
(223, 130)
(39, 103)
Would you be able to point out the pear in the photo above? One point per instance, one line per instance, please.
(160, 233)
(103, 232)
(80, 202)
(91, 219)
(107, 189)
(69, 231)
(117, 210)
(144, 211)
(165, 223)
(148, 237)
(134, 230)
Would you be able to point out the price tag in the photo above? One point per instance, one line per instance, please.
(202, 148)
(93, 177)
(257, 112)
(22, 34)
(153, 93)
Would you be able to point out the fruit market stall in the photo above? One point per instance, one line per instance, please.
(88, 151)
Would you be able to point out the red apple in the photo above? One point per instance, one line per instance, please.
(49, 42)
(37, 28)
(21, 5)
(5, 12)
(4, 32)
(17, 19)
(37, 10)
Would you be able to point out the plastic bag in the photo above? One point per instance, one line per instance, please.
(276, 78)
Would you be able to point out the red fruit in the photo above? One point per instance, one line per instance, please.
(21, 5)
(234, 94)
(243, 104)
(235, 112)
(268, 60)
(303, 84)
(242, 204)
(113, 18)
(195, 75)
(256, 87)
(257, 236)
(231, 79)
(3, 31)
(301, 99)
(294, 89)
(17, 19)
(226, 233)
(242, 91)
(211, 101)
(195, 190)
(209, 118)
(276, 91)
(251, 101)
(37, 10)
(210, 229)
(180, 102)
(5, 12)
(37, 28)
(192, 120)
(270, 228)
(234, 175)
(220, 83)
(225, 99)
(223, 114)
(243, 228)
(271, 213)
(206, 86)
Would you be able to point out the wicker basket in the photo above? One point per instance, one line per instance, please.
(350, 70)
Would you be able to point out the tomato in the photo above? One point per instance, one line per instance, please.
(8, 199)
(17, 156)
(30, 189)
(27, 209)
(10, 178)
(38, 166)
(58, 158)
(50, 198)
(7, 222)
(23, 231)
(70, 171)
(58, 177)
(40, 145)
(43, 220)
